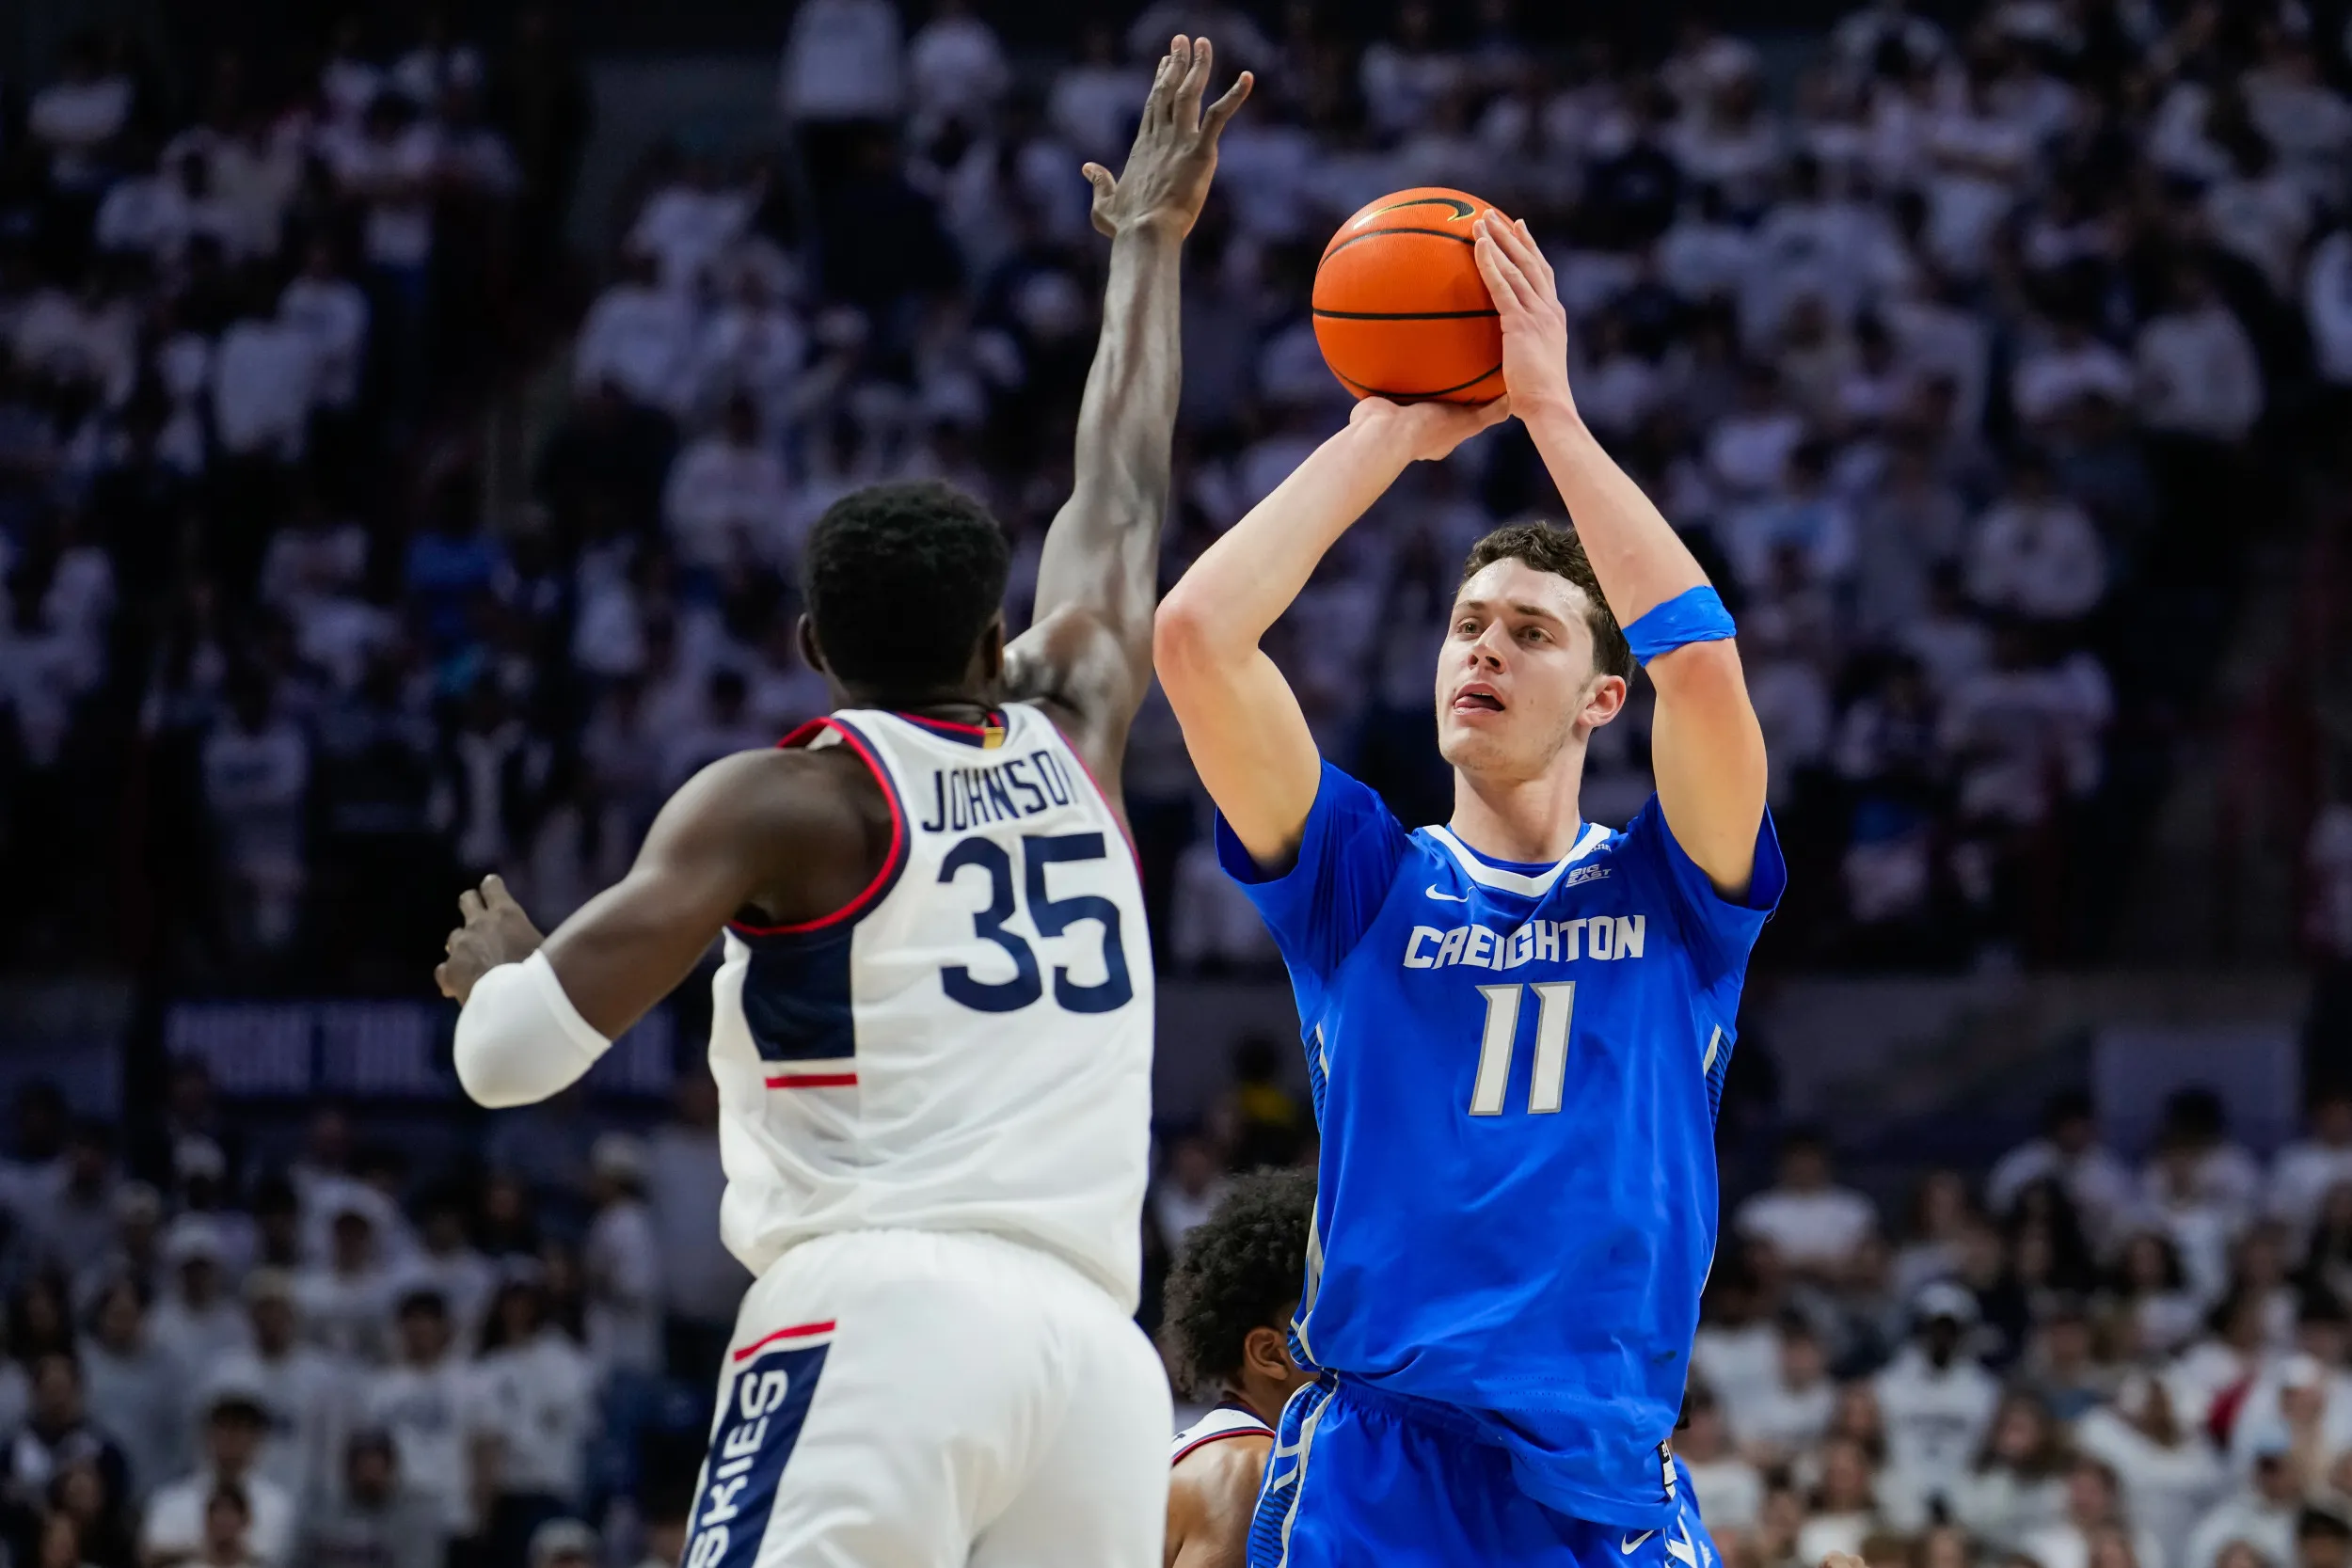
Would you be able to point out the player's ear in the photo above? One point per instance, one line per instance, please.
(989, 658)
(1604, 701)
(1268, 1353)
(806, 633)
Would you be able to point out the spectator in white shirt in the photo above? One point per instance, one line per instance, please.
(843, 61)
(2095, 1509)
(429, 1403)
(638, 336)
(2198, 373)
(1093, 101)
(448, 1263)
(2327, 307)
(331, 313)
(198, 1322)
(2069, 1149)
(256, 778)
(1937, 1401)
(686, 225)
(622, 1262)
(2196, 1161)
(2306, 1169)
(1814, 1225)
(305, 1393)
(702, 1283)
(2261, 214)
(2261, 1513)
(956, 67)
(78, 117)
(264, 379)
(344, 1300)
(1788, 1416)
(536, 1403)
(2071, 364)
(1728, 1489)
(2017, 1486)
(726, 498)
(2168, 1468)
(2035, 553)
(235, 1422)
(137, 1393)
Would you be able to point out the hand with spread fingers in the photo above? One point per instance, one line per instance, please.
(1169, 169)
(1534, 322)
(496, 931)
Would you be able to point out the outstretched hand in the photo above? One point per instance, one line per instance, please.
(496, 931)
(1425, 432)
(1527, 302)
(1167, 172)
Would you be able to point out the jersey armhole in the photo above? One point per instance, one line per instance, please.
(1225, 1436)
(893, 863)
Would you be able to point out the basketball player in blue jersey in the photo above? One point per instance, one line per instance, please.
(1517, 1023)
(931, 1028)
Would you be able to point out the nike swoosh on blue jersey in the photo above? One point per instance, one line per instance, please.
(1449, 897)
(1632, 1543)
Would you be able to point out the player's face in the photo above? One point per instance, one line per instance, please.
(1516, 682)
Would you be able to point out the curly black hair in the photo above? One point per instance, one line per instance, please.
(901, 580)
(1241, 1268)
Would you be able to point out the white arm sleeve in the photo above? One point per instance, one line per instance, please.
(520, 1038)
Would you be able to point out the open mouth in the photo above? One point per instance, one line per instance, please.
(1477, 698)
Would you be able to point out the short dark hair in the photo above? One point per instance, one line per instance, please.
(1240, 1268)
(2322, 1523)
(1559, 552)
(901, 580)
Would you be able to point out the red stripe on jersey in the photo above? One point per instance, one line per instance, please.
(892, 862)
(798, 1331)
(812, 1081)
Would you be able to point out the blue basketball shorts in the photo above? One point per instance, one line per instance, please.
(1354, 1479)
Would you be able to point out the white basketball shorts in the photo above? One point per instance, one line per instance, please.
(903, 1399)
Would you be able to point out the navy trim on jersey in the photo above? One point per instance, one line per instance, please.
(796, 1000)
(893, 864)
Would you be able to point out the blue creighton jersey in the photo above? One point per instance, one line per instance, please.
(1516, 1070)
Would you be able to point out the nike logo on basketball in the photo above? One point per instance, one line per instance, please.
(1632, 1543)
(1449, 897)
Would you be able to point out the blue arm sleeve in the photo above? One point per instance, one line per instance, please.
(1323, 904)
(1717, 931)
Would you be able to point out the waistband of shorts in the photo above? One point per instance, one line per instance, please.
(1448, 1418)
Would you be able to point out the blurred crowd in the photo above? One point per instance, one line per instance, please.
(323, 1353)
(1970, 357)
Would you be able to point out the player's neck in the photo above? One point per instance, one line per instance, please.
(1533, 820)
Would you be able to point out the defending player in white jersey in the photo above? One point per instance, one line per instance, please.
(1229, 1300)
(932, 1026)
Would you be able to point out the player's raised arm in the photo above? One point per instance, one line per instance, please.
(1241, 722)
(538, 1011)
(1088, 654)
(1705, 747)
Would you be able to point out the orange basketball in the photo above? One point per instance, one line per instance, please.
(1400, 309)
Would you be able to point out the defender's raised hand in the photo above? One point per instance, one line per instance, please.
(1534, 322)
(496, 932)
(1167, 177)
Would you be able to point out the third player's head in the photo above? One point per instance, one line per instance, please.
(1232, 1294)
(905, 587)
(1533, 662)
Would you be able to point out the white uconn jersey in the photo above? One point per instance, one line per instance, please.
(966, 1046)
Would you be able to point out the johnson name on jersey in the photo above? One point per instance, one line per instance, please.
(967, 1045)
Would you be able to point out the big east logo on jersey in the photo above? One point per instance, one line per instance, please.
(1600, 936)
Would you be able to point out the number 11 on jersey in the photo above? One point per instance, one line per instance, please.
(1555, 1006)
